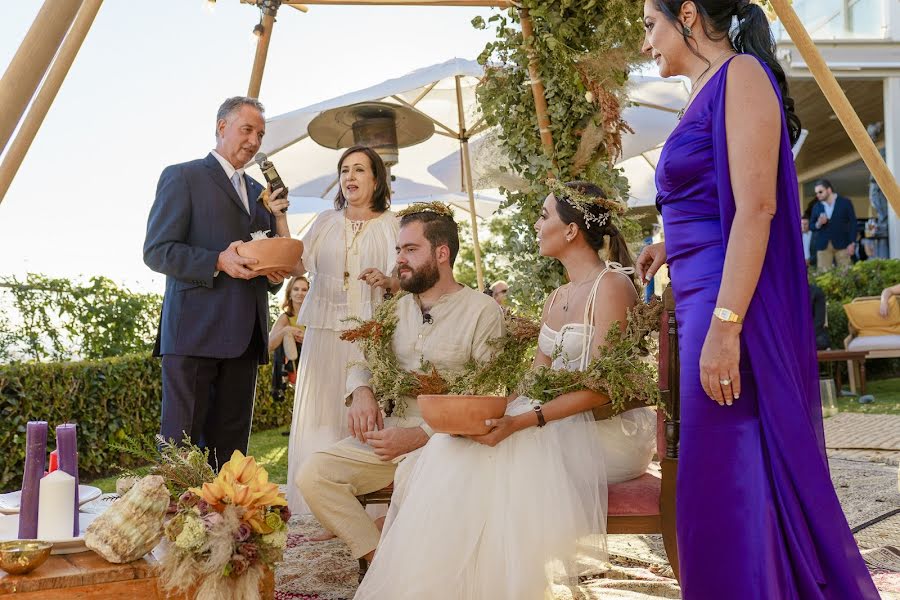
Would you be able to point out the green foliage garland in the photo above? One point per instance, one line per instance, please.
(585, 50)
(622, 371)
(393, 385)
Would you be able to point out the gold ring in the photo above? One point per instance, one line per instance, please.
(725, 381)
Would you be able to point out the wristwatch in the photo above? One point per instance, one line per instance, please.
(729, 316)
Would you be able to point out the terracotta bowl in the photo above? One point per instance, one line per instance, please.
(273, 254)
(461, 415)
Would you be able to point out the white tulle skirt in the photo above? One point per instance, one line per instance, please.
(474, 522)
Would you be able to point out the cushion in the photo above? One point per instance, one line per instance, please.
(637, 497)
(874, 342)
(865, 319)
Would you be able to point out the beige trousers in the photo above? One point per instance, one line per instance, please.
(331, 480)
(826, 258)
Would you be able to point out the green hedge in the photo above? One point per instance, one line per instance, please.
(112, 400)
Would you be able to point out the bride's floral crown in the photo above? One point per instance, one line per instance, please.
(583, 202)
(438, 208)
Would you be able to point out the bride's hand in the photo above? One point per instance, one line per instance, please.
(501, 429)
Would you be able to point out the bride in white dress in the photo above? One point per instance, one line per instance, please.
(523, 508)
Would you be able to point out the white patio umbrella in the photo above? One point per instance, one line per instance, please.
(653, 103)
(445, 93)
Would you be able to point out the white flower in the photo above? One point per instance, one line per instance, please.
(277, 539)
(589, 96)
(192, 536)
(259, 235)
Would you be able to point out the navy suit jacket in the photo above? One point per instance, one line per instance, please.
(840, 229)
(197, 214)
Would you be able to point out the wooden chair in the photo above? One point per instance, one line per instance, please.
(382, 496)
(647, 504)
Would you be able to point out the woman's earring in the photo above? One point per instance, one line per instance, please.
(687, 31)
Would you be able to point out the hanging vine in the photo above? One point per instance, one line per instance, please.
(585, 50)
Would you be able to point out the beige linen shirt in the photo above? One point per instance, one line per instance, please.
(462, 324)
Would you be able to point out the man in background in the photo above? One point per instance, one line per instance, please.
(834, 221)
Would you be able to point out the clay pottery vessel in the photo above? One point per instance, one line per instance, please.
(461, 415)
(273, 254)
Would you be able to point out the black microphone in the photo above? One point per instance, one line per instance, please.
(426, 318)
(271, 175)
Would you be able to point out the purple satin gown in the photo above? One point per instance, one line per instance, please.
(757, 514)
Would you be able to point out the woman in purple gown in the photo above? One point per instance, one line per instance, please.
(757, 515)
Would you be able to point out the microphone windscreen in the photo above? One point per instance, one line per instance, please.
(261, 158)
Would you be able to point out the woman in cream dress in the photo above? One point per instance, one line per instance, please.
(523, 508)
(346, 252)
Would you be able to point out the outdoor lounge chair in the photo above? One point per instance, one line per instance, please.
(646, 504)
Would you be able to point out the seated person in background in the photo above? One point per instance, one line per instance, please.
(286, 337)
(886, 294)
(440, 321)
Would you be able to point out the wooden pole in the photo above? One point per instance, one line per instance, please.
(44, 99)
(839, 103)
(262, 51)
(467, 170)
(30, 62)
(537, 85)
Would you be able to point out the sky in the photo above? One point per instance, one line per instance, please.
(143, 93)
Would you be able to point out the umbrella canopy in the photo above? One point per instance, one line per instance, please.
(652, 106)
(311, 170)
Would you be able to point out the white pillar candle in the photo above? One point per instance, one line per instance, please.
(56, 506)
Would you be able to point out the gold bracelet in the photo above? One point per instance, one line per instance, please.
(726, 315)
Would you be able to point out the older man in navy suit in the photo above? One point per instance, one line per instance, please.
(215, 315)
(834, 221)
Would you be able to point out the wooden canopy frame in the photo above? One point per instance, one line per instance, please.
(61, 26)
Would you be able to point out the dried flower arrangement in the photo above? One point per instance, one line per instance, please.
(624, 370)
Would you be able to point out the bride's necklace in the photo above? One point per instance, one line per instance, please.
(696, 86)
(575, 286)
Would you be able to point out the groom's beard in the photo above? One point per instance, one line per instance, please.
(420, 280)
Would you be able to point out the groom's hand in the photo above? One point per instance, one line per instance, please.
(364, 414)
(396, 441)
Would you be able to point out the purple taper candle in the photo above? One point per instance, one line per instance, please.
(67, 445)
(35, 457)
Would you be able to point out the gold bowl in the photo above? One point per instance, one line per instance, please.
(18, 557)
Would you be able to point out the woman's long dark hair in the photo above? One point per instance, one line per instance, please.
(752, 36)
(596, 235)
(381, 197)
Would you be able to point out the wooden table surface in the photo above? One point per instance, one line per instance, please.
(86, 575)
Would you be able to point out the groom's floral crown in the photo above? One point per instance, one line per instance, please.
(438, 208)
(583, 202)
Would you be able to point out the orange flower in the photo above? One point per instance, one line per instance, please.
(241, 482)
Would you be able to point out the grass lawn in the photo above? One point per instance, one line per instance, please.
(887, 398)
(269, 448)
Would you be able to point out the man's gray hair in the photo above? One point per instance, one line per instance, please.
(234, 104)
